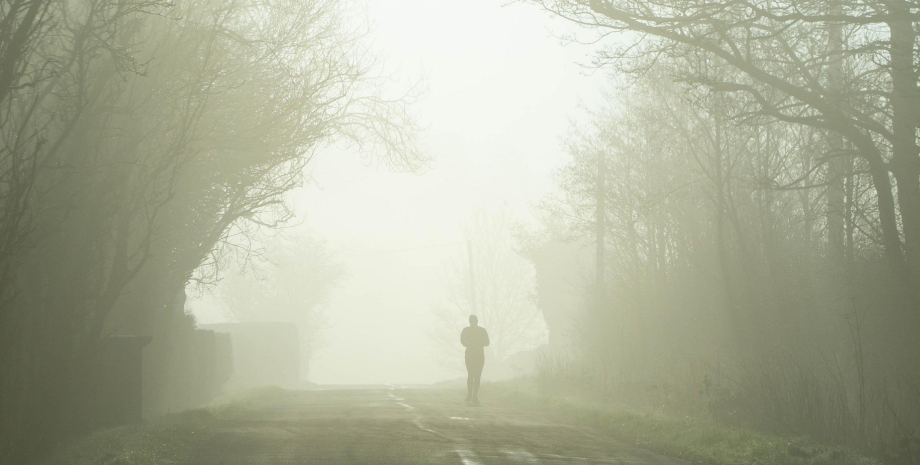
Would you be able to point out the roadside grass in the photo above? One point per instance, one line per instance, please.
(165, 440)
(696, 440)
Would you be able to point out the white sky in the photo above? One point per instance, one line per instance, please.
(501, 89)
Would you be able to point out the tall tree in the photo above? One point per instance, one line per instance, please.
(138, 136)
(780, 66)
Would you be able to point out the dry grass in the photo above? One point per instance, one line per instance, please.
(696, 439)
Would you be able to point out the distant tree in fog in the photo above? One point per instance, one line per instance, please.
(289, 284)
(504, 292)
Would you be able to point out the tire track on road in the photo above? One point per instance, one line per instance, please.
(462, 446)
(467, 456)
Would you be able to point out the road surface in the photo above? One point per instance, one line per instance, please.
(405, 426)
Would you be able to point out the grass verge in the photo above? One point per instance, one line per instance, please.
(165, 440)
(694, 439)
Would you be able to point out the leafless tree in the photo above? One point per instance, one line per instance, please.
(291, 282)
(785, 61)
(138, 137)
(503, 287)
(718, 253)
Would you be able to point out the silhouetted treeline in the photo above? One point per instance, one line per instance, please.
(139, 140)
(760, 181)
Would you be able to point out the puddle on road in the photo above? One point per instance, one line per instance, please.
(467, 457)
(521, 456)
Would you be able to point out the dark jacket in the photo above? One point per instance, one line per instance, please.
(474, 338)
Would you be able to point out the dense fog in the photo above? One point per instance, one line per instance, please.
(495, 103)
(705, 210)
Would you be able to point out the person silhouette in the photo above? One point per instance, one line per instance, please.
(474, 338)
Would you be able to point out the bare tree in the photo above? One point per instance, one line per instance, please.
(290, 283)
(138, 138)
(503, 289)
(718, 253)
(785, 66)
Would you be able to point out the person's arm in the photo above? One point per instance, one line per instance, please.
(485, 337)
(463, 337)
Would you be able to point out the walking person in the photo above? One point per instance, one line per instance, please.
(474, 338)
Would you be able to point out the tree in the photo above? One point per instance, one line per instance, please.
(721, 269)
(503, 289)
(291, 283)
(779, 60)
(138, 138)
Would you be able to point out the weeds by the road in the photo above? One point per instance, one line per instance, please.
(166, 440)
(162, 442)
(694, 439)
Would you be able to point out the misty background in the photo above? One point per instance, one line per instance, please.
(500, 92)
(700, 210)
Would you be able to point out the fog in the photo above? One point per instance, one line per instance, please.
(496, 108)
(323, 231)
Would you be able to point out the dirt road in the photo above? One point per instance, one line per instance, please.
(404, 426)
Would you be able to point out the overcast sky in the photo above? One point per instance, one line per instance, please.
(501, 89)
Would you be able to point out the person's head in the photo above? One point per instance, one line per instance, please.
(473, 320)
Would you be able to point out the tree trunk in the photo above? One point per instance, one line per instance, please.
(836, 169)
(601, 225)
(905, 164)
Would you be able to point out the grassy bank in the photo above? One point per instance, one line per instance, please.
(165, 440)
(695, 439)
